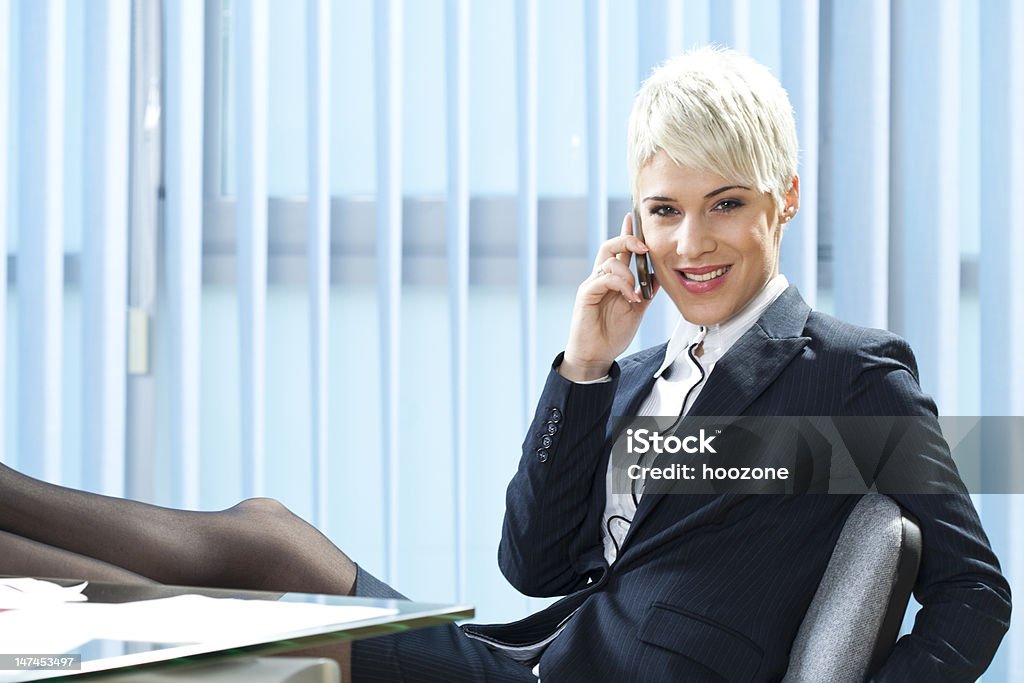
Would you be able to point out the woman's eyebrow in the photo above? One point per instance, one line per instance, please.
(720, 190)
(709, 195)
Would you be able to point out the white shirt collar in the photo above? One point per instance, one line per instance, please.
(720, 337)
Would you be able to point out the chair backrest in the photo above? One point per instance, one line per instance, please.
(857, 611)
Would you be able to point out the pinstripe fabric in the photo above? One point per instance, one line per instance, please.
(441, 653)
(713, 587)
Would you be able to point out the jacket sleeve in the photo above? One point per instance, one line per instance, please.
(549, 538)
(965, 600)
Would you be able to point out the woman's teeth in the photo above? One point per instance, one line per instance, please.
(707, 276)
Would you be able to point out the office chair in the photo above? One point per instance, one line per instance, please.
(856, 613)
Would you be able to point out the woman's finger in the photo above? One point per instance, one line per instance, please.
(617, 267)
(623, 245)
(610, 279)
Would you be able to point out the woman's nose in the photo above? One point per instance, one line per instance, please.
(693, 239)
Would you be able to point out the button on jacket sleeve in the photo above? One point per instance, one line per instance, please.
(550, 543)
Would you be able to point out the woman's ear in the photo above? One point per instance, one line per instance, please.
(792, 201)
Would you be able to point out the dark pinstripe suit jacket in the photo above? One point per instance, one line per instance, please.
(713, 587)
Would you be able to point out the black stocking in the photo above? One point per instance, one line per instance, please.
(257, 544)
(25, 557)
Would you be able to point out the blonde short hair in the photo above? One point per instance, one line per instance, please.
(719, 111)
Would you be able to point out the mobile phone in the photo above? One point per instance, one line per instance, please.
(644, 272)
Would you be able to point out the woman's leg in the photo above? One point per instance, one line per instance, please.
(25, 557)
(257, 544)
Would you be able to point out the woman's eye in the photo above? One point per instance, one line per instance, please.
(664, 210)
(727, 205)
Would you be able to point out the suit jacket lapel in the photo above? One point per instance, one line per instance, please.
(747, 369)
(636, 379)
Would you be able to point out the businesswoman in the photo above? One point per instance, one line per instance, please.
(658, 587)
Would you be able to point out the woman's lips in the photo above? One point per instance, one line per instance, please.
(704, 279)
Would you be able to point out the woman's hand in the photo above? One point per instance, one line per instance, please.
(608, 309)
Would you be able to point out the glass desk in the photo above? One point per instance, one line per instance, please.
(110, 655)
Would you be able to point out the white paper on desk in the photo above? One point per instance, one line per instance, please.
(199, 619)
(24, 593)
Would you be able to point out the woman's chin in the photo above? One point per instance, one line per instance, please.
(703, 313)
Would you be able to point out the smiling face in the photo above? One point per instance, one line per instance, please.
(714, 242)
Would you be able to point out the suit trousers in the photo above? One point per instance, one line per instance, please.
(438, 653)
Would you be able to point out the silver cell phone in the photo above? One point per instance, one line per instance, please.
(644, 272)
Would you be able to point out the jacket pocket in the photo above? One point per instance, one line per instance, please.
(729, 654)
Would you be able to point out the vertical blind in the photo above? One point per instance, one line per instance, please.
(183, 223)
(360, 327)
(388, 30)
(105, 249)
(5, 79)
(250, 70)
(319, 244)
(40, 177)
(457, 131)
